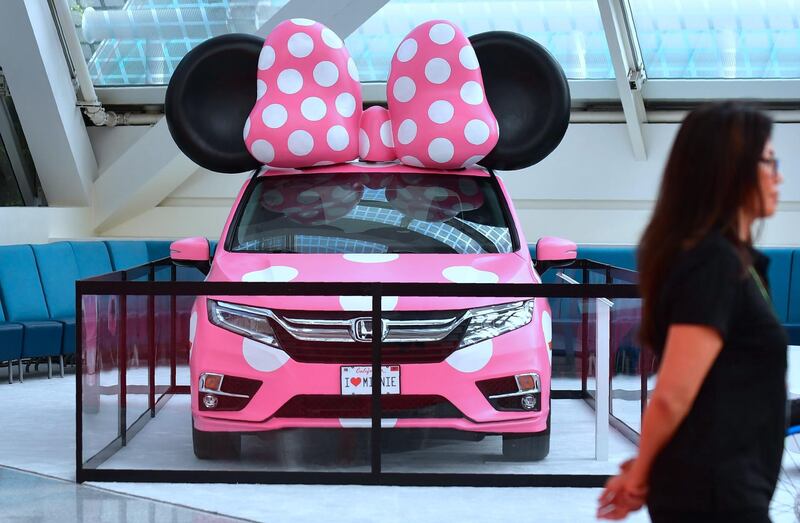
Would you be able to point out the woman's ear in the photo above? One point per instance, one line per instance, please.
(529, 95)
(209, 98)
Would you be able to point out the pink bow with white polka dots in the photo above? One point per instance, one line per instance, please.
(308, 108)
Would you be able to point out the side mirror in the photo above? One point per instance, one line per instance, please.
(191, 252)
(554, 252)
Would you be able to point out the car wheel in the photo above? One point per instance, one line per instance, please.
(216, 445)
(527, 446)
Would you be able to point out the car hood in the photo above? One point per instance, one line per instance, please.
(383, 268)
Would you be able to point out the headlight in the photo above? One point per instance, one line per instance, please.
(250, 322)
(490, 322)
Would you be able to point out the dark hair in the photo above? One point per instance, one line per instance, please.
(711, 175)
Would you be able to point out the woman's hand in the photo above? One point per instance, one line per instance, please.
(623, 494)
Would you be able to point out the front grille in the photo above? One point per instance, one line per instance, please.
(410, 337)
(392, 406)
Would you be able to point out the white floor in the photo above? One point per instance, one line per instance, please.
(166, 443)
(39, 436)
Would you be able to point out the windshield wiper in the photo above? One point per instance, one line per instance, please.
(261, 251)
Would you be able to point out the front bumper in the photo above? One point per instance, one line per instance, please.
(454, 380)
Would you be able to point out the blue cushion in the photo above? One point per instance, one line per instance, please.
(157, 249)
(793, 330)
(127, 254)
(624, 257)
(780, 266)
(10, 341)
(58, 272)
(92, 258)
(20, 289)
(68, 339)
(41, 338)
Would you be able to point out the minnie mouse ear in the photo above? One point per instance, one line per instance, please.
(529, 95)
(209, 98)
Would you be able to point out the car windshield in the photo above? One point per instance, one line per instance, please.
(348, 213)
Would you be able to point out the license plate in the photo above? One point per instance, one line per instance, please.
(358, 380)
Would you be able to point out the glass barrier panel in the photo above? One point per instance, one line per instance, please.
(135, 346)
(271, 397)
(165, 331)
(627, 360)
(100, 341)
(589, 336)
(284, 383)
(484, 396)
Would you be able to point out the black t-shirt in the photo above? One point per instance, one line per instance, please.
(727, 453)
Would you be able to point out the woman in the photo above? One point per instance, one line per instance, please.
(712, 434)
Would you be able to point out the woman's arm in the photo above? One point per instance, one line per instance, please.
(689, 352)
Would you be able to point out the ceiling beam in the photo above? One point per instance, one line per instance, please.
(40, 83)
(140, 178)
(628, 69)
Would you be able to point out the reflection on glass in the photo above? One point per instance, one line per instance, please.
(165, 442)
(347, 213)
(140, 42)
(625, 359)
(137, 357)
(100, 377)
(570, 29)
(714, 39)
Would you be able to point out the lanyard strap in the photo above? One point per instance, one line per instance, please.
(760, 284)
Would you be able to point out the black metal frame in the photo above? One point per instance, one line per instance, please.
(120, 284)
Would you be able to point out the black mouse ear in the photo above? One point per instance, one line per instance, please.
(208, 99)
(529, 95)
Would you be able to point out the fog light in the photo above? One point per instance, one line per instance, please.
(528, 402)
(220, 392)
(210, 401)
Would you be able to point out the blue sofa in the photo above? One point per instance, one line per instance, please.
(10, 342)
(37, 292)
(23, 299)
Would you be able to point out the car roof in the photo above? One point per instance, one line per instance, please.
(361, 167)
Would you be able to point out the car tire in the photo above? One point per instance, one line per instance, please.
(533, 446)
(216, 445)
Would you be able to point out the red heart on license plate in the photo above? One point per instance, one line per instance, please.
(355, 381)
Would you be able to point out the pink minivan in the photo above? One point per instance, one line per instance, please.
(266, 363)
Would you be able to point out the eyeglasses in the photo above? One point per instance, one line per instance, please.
(773, 163)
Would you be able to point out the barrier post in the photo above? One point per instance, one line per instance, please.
(377, 334)
(122, 362)
(173, 311)
(151, 348)
(585, 338)
(603, 331)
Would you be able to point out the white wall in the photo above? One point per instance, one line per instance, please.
(590, 190)
(43, 224)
